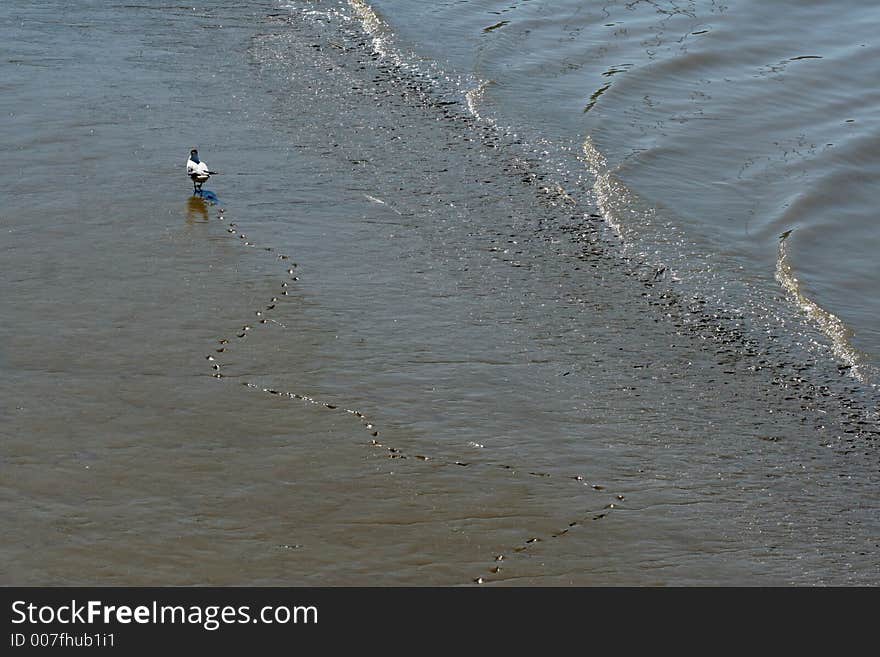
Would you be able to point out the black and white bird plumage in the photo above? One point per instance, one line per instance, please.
(197, 170)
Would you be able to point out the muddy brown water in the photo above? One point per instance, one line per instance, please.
(403, 349)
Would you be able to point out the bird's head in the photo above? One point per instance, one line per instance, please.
(194, 155)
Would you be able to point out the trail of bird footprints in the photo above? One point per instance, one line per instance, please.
(224, 345)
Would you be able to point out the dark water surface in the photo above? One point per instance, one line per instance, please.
(735, 121)
(422, 330)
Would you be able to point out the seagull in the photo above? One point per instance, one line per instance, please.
(197, 171)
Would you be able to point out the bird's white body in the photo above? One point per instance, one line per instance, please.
(197, 171)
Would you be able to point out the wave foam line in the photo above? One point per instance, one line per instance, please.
(373, 25)
(830, 324)
(474, 96)
(617, 203)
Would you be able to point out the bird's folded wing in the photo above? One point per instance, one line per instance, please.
(193, 167)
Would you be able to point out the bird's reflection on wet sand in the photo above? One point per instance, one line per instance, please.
(196, 210)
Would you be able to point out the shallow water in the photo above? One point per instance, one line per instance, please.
(443, 342)
(735, 121)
